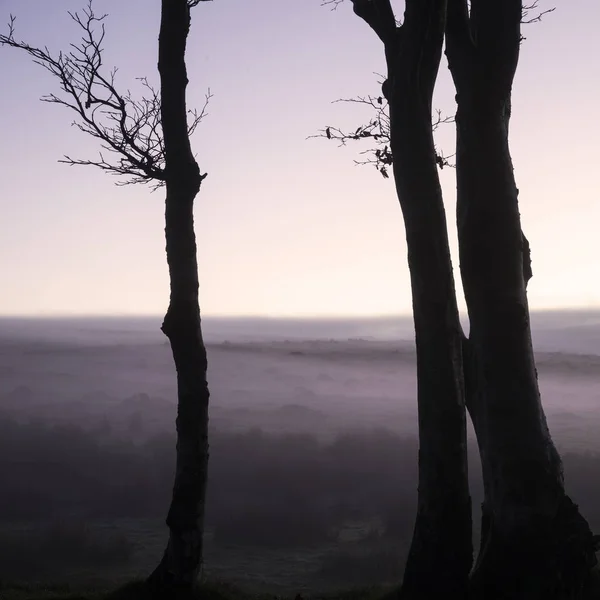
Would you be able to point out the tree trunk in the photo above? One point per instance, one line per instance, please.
(538, 546)
(535, 543)
(474, 396)
(474, 400)
(178, 572)
(182, 561)
(442, 538)
(441, 552)
(442, 542)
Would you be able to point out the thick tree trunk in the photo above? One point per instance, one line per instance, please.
(538, 546)
(535, 543)
(178, 572)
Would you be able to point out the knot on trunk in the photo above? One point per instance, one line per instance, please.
(386, 89)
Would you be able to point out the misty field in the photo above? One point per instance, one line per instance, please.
(312, 478)
(286, 513)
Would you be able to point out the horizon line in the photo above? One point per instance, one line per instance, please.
(274, 316)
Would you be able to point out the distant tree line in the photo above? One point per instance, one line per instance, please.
(55, 472)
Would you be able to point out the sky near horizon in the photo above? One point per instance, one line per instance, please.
(286, 225)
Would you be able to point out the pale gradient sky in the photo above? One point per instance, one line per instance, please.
(285, 225)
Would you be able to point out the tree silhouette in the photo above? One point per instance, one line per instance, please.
(442, 542)
(147, 140)
(535, 543)
(532, 531)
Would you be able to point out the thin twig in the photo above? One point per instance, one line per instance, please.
(377, 131)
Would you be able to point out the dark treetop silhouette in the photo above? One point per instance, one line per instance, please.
(148, 141)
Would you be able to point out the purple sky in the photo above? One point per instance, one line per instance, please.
(286, 226)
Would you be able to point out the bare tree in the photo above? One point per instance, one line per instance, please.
(441, 552)
(535, 543)
(148, 141)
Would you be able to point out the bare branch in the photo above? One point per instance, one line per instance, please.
(526, 18)
(377, 132)
(129, 129)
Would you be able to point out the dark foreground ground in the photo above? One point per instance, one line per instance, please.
(137, 591)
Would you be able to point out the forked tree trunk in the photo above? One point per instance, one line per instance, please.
(537, 545)
(440, 556)
(178, 572)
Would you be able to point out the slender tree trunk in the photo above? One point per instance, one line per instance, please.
(442, 538)
(537, 545)
(178, 572)
(442, 541)
(474, 395)
(182, 561)
(441, 552)
(474, 400)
